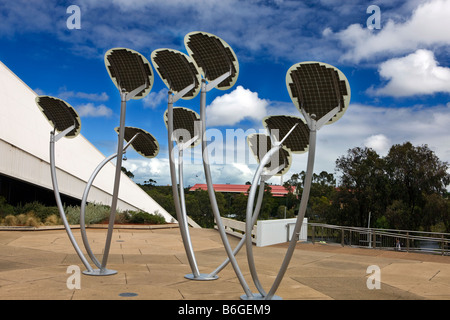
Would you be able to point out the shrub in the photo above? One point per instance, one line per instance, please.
(52, 220)
(5, 208)
(10, 220)
(144, 217)
(94, 213)
(32, 221)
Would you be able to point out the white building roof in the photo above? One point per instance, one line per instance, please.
(24, 153)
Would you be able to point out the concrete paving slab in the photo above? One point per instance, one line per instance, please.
(151, 265)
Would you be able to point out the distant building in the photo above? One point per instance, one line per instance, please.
(277, 190)
(24, 158)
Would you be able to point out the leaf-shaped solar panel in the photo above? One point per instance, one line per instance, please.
(59, 114)
(318, 88)
(129, 70)
(213, 57)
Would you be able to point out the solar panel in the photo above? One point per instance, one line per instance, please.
(213, 57)
(279, 126)
(318, 88)
(145, 144)
(128, 70)
(59, 114)
(260, 144)
(177, 70)
(186, 125)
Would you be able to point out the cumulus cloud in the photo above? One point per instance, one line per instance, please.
(236, 106)
(423, 29)
(83, 95)
(414, 74)
(378, 142)
(154, 99)
(90, 110)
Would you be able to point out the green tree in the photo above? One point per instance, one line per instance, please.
(414, 174)
(363, 186)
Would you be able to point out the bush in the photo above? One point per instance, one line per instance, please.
(32, 221)
(94, 213)
(5, 208)
(10, 220)
(53, 220)
(144, 217)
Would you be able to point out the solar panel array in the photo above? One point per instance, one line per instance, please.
(60, 114)
(318, 88)
(129, 70)
(186, 125)
(260, 144)
(298, 139)
(145, 144)
(213, 56)
(177, 70)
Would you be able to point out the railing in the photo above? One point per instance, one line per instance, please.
(386, 239)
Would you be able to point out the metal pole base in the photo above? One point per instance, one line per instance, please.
(201, 277)
(100, 272)
(258, 296)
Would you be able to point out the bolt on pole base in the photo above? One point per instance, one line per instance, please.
(258, 296)
(100, 272)
(201, 277)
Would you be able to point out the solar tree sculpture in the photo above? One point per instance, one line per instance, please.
(132, 74)
(321, 93)
(180, 75)
(287, 135)
(186, 133)
(143, 143)
(65, 120)
(219, 68)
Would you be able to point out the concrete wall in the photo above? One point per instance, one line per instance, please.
(267, 232)
(24, 152)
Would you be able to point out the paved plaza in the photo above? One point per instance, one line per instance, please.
(151, 265)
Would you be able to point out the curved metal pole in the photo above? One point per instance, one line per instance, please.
(300, 215)
(212, 196)
(112, 215)
(84, 202)
(184, 225)
(254, 219)
(60, 206)
(83, 209)
(248, 226)
(181, 213)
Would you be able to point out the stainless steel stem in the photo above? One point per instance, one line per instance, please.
(112, 215)
(249, 226)
(60, 206)
(254, 219)
(301, 212)
(212, 196)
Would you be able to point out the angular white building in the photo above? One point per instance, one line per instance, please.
(24, 154)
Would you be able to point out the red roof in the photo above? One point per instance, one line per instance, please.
(277, 191)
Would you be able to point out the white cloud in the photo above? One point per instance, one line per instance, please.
(378, 142)
(236, 106)
(90, 110)
(83, 95)
(425, 28)
(154, 99)
(415, 74)
(362, 125)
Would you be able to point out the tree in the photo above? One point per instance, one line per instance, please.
(129, 174)
(363, 186)
(415, 173)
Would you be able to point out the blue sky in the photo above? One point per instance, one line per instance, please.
(399, 74)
